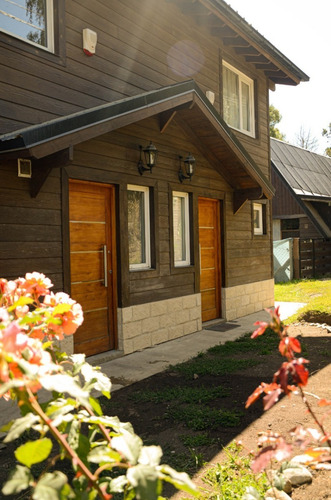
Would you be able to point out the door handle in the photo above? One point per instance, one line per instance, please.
(105, 266)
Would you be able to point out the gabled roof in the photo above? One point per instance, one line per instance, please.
(308, 174)
(194, 113)
(235, 32)
(308, 177)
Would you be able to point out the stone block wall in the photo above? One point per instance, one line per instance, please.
(241, 300)
(149, 324)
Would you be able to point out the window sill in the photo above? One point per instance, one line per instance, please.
(182, 269)
(243, 132)
(22, 46)
(136, 274)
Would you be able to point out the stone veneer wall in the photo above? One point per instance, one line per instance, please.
(149, 324)
(246, 299)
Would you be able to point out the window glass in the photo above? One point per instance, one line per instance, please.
(290, 224)
(245, 107)
(180, 210)
(231, 98)
(31, 20)
(138, 227)
(238, 100)
(258, 218)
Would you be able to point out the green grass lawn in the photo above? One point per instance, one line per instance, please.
(315, 293)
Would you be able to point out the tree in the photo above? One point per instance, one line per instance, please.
(306, 140)
(274, 118)
(327, 133)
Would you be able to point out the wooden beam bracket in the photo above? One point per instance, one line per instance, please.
(41, 168)
(166, 118)
(240, 196)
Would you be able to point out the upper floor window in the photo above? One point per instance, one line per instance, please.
(181, 228)
(238, 100)
(139, 227)
(30, 20)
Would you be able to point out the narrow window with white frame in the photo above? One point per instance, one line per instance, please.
(29, 20)
(181, 228)
(258, 218)
(238, 100)
(139, 227)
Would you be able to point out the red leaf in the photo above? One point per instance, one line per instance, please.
(324, 402)
(282, 375)
(295, 344)
(283, 450)
(271, 398)
(259, 331)
(300, 374)
(254, 396)
(288, 346)
(262, 459)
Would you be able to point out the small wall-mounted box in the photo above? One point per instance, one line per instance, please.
(24, 168)
(210, 96)
(89, 41)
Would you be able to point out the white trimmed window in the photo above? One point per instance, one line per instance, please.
(29, 20)
(258, 218)
(181, 228)
(139, 227)
(238, 100)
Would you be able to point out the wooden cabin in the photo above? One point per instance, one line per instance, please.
(151, 247)
(301, 207)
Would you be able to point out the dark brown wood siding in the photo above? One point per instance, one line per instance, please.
(139, 49)
(136, 52)
(30, 228)
(285, 206)
(31, 233)
(283, 203)
(247, 255)
(308, 230)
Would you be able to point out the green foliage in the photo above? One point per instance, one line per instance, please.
(202, 417)
(213, 366)
(19, 480)
(233, 477)
(263, 345)
(274, 118)
(33, 452)
(316, 294)
(190, 460)
(181, 394)
(326, 132)
(106, 457)
(197, 440)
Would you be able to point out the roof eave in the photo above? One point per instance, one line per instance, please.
(247, 31)
(46, 139)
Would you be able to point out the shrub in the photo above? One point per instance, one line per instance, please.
(106, 456)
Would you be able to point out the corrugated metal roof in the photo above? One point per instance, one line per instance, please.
(307, 173)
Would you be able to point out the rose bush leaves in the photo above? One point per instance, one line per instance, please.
(106, 455)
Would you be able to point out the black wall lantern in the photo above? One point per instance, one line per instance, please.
(189, 166)
(150, 155)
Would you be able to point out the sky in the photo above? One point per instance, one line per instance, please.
(300, 29)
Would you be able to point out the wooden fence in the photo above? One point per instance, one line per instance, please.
(314, 258)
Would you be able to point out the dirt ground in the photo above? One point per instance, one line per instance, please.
(151, 423)
(152, 420)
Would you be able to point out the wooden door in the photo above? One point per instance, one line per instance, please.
(92, 264)
(209, 246)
